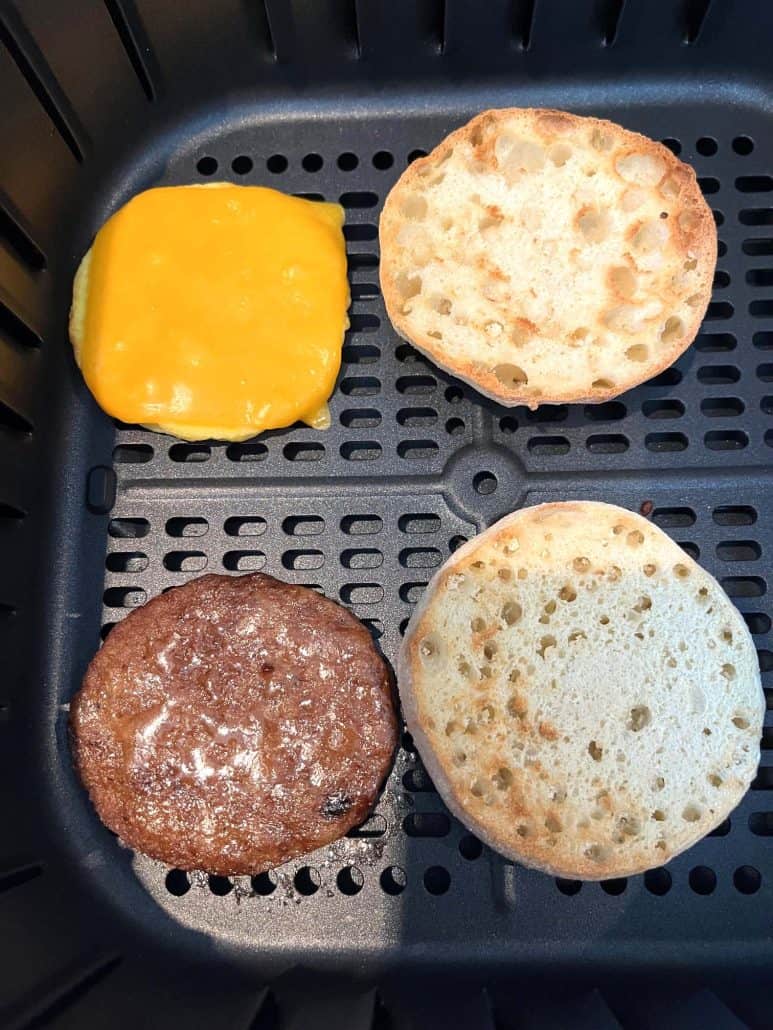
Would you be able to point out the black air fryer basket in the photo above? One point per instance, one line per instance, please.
(409, 921)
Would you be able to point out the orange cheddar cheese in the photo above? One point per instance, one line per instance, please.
(213, 311)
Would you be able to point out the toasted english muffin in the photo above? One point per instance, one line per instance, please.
(584, 696)
(545, 257)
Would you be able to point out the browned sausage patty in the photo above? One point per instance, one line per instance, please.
(234, 723)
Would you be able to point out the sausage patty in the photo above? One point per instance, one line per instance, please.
(234, 723)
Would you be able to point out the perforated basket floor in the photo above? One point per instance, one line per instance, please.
(413, 465)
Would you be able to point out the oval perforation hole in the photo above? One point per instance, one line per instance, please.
(485, 483)
(242, 165)
(417, 450)
(548, 446)
(185, 561)
(132, 454)
(669, 377)
(658, 881)
(417, 781)
(662, 409)
(393, 880)
(608, 411)
(747, 879)
(744, 586)
(375, 627)
(703, 880)
(706, 146)
(277, 164)
(360, 353)
(190, 452)
(350, 880)
(206, 165)
(186, 527)
(416, 384)
(246, 452)
(220, 885)
(760, 277)
(374, 826)
(249, 525)
(756, 216)
(360, 450)
(360, 231)
(360, 418)
(419, 523)
(128, 528)
(301, 450)
(126, 561)
(708, 185)
(758, 246)
(614, 887)
(177, 882)
(569, 888)
(417, 417)
(722, 407)
(364, 323)
(722, 830)
(362, 558)
(303, 525)
(758, 622)
(470, 847)
(549, 413)
(263, 884)
(358, 199)
(743, 145)
(244, 561)
(307, 880)
(361, 525)
(360, 386)
(735, 515)
(420, 557)
(124, 597)
(672, 518)
(726, 440)
(408, 355)
(711, 343)
(664, 442)
(437, 880)
(721, 280)
(761, 824)
(364, 291)
(361, 593)
(607, 443)
(718, 310)
(303, 561)
(427, 824)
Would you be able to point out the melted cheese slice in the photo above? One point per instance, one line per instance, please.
(214, 311)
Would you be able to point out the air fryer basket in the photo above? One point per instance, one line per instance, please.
(406, 921)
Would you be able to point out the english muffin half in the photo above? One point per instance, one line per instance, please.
(584, 696)
(545, 257)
